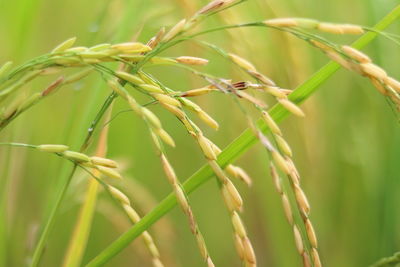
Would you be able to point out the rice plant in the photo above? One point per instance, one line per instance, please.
(165, 83)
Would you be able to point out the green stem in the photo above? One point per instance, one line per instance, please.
(235, 149)
(64, 187)
(51, 220)
(388, 261)
(18, 144)
(97, 119)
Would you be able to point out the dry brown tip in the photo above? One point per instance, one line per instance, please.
(53, 86)
(210, 7)
(251, 99)
(153, 42)
(262, 78)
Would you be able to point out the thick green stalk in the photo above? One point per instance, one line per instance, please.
(236, 148)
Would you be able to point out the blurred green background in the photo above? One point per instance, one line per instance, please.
(347, 148)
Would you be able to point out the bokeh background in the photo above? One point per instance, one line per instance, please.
(347, 148)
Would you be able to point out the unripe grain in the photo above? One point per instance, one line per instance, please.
(174, 30)
(52, 148)
(281, 22)
(165, 137)
(293, 108)
(103, 162)
(119, 195)
(280, 162)
(76, 156)
(109, 172)
(238, 225)
(272, 125)
(129, 77)
(243, 63)
(165, 99)
(64, 45)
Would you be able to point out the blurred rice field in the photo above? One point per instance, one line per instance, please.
(347, 148)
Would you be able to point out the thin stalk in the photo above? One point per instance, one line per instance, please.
(79, 240)
(82, 228)
(236, 148)
(63, 186)
(51, 221)
(97, 119)
(4, 224)
(388, 261)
